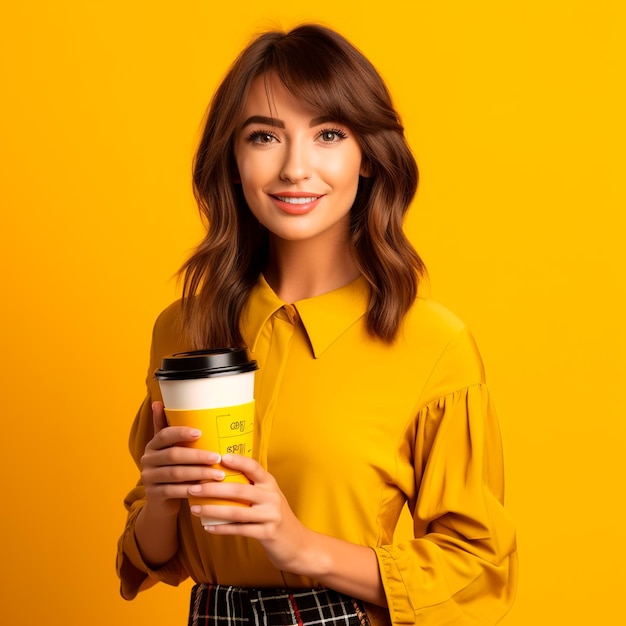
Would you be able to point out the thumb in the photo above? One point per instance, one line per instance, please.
(158, 417)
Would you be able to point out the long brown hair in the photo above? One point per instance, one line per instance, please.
(323, 69)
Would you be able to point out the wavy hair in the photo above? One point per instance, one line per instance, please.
(319, 67)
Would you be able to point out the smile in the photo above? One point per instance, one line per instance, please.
(292, 200)
(296, 204)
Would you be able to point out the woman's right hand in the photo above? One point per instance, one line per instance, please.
(169, 467)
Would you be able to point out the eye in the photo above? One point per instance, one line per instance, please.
(262, 137)
(332, 135)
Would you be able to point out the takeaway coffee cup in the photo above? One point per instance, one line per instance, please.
(213, 391)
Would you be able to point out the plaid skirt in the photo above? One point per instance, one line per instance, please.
(218, 605)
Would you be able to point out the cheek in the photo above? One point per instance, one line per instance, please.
(344, 168)
(253, 172)
(243, 169)
(251, 180)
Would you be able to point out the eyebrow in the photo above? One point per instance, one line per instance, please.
(272, 121)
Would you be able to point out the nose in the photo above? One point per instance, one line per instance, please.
(297, 162)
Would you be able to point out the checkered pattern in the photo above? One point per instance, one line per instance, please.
(217, 605)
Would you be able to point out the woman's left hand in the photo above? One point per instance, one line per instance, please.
(269, 518)
(291, 546)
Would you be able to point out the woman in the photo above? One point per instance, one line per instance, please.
(369, 399)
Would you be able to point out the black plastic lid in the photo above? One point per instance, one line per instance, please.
(205, 364)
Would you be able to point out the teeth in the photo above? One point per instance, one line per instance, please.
(290, 200)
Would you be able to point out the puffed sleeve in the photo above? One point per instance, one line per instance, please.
(461, 567)
(134, 573)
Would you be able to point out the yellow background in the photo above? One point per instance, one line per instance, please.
(515, 113)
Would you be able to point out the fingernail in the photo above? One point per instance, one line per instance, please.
(196, 509)
(194, 489)
(196, 433)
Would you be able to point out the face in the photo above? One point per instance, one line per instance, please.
(299, 171)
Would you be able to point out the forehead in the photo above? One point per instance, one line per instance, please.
(268, 96)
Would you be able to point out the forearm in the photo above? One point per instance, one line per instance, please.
(345, 567)
(156, 536)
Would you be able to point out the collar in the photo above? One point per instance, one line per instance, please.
(325, 318)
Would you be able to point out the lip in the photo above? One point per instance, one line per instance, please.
(296, 202)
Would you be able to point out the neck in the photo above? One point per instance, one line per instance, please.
(299, 270)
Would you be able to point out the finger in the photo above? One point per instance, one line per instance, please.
(173, 435)
(257, 498)
(234, 514)
(167, 449)
(260, 532)
(251, 468)
(168, 435)
(158, 417)
(250, 521)
(189, 475)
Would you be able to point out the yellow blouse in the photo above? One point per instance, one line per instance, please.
(354, 430)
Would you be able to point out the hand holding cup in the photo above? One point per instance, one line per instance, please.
(212, 391)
